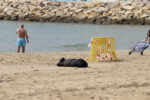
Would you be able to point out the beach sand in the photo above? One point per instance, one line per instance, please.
(35, 76)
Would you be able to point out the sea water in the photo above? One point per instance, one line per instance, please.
(63, 37)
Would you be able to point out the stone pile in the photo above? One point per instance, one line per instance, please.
(77, 12)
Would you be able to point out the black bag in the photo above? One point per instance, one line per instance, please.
(72, 63)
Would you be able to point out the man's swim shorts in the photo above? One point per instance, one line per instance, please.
(21, 42)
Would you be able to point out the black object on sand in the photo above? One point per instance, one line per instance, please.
(72, 63)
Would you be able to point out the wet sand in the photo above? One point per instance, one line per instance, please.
(35, 76)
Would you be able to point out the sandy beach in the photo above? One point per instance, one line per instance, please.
(35, 76)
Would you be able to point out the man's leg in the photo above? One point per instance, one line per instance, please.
(23, 49)
(18, 50)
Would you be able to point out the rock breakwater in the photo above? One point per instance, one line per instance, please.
(77, 12)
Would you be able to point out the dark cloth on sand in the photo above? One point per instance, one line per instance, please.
(72, 63)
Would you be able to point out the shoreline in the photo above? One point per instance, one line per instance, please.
(35, 76)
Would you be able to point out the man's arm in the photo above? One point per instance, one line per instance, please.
(17, 31)
(27, 37)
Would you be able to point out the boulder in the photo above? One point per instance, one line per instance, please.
(82, 16)
(1, 10)
(102, 9)
(127, 7)
(78, 10)
(92, 15)
(1, 16)
(23, 16)
(144, 16)
(59, 13)
(1, 3)
(14, 17)
(144, 9)
(11, 12)
(65, 11)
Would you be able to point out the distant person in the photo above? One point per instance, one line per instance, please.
(22, 37)
(148, 36)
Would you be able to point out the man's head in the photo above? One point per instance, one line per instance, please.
(22, 26)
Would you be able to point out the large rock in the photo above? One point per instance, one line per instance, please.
(59, 13)
(102, 9)
(23, 16)
(70, 13)
(128, 7)
(78, 10)
(145, 8)
(1, 3)
(14, 17)
(144, 16)
(1, 16)
(92, 15)
(10, 11)
(1, 10)
(82, 16)
(65, 11)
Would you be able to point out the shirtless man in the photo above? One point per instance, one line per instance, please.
(148, 36)
(21, 41)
